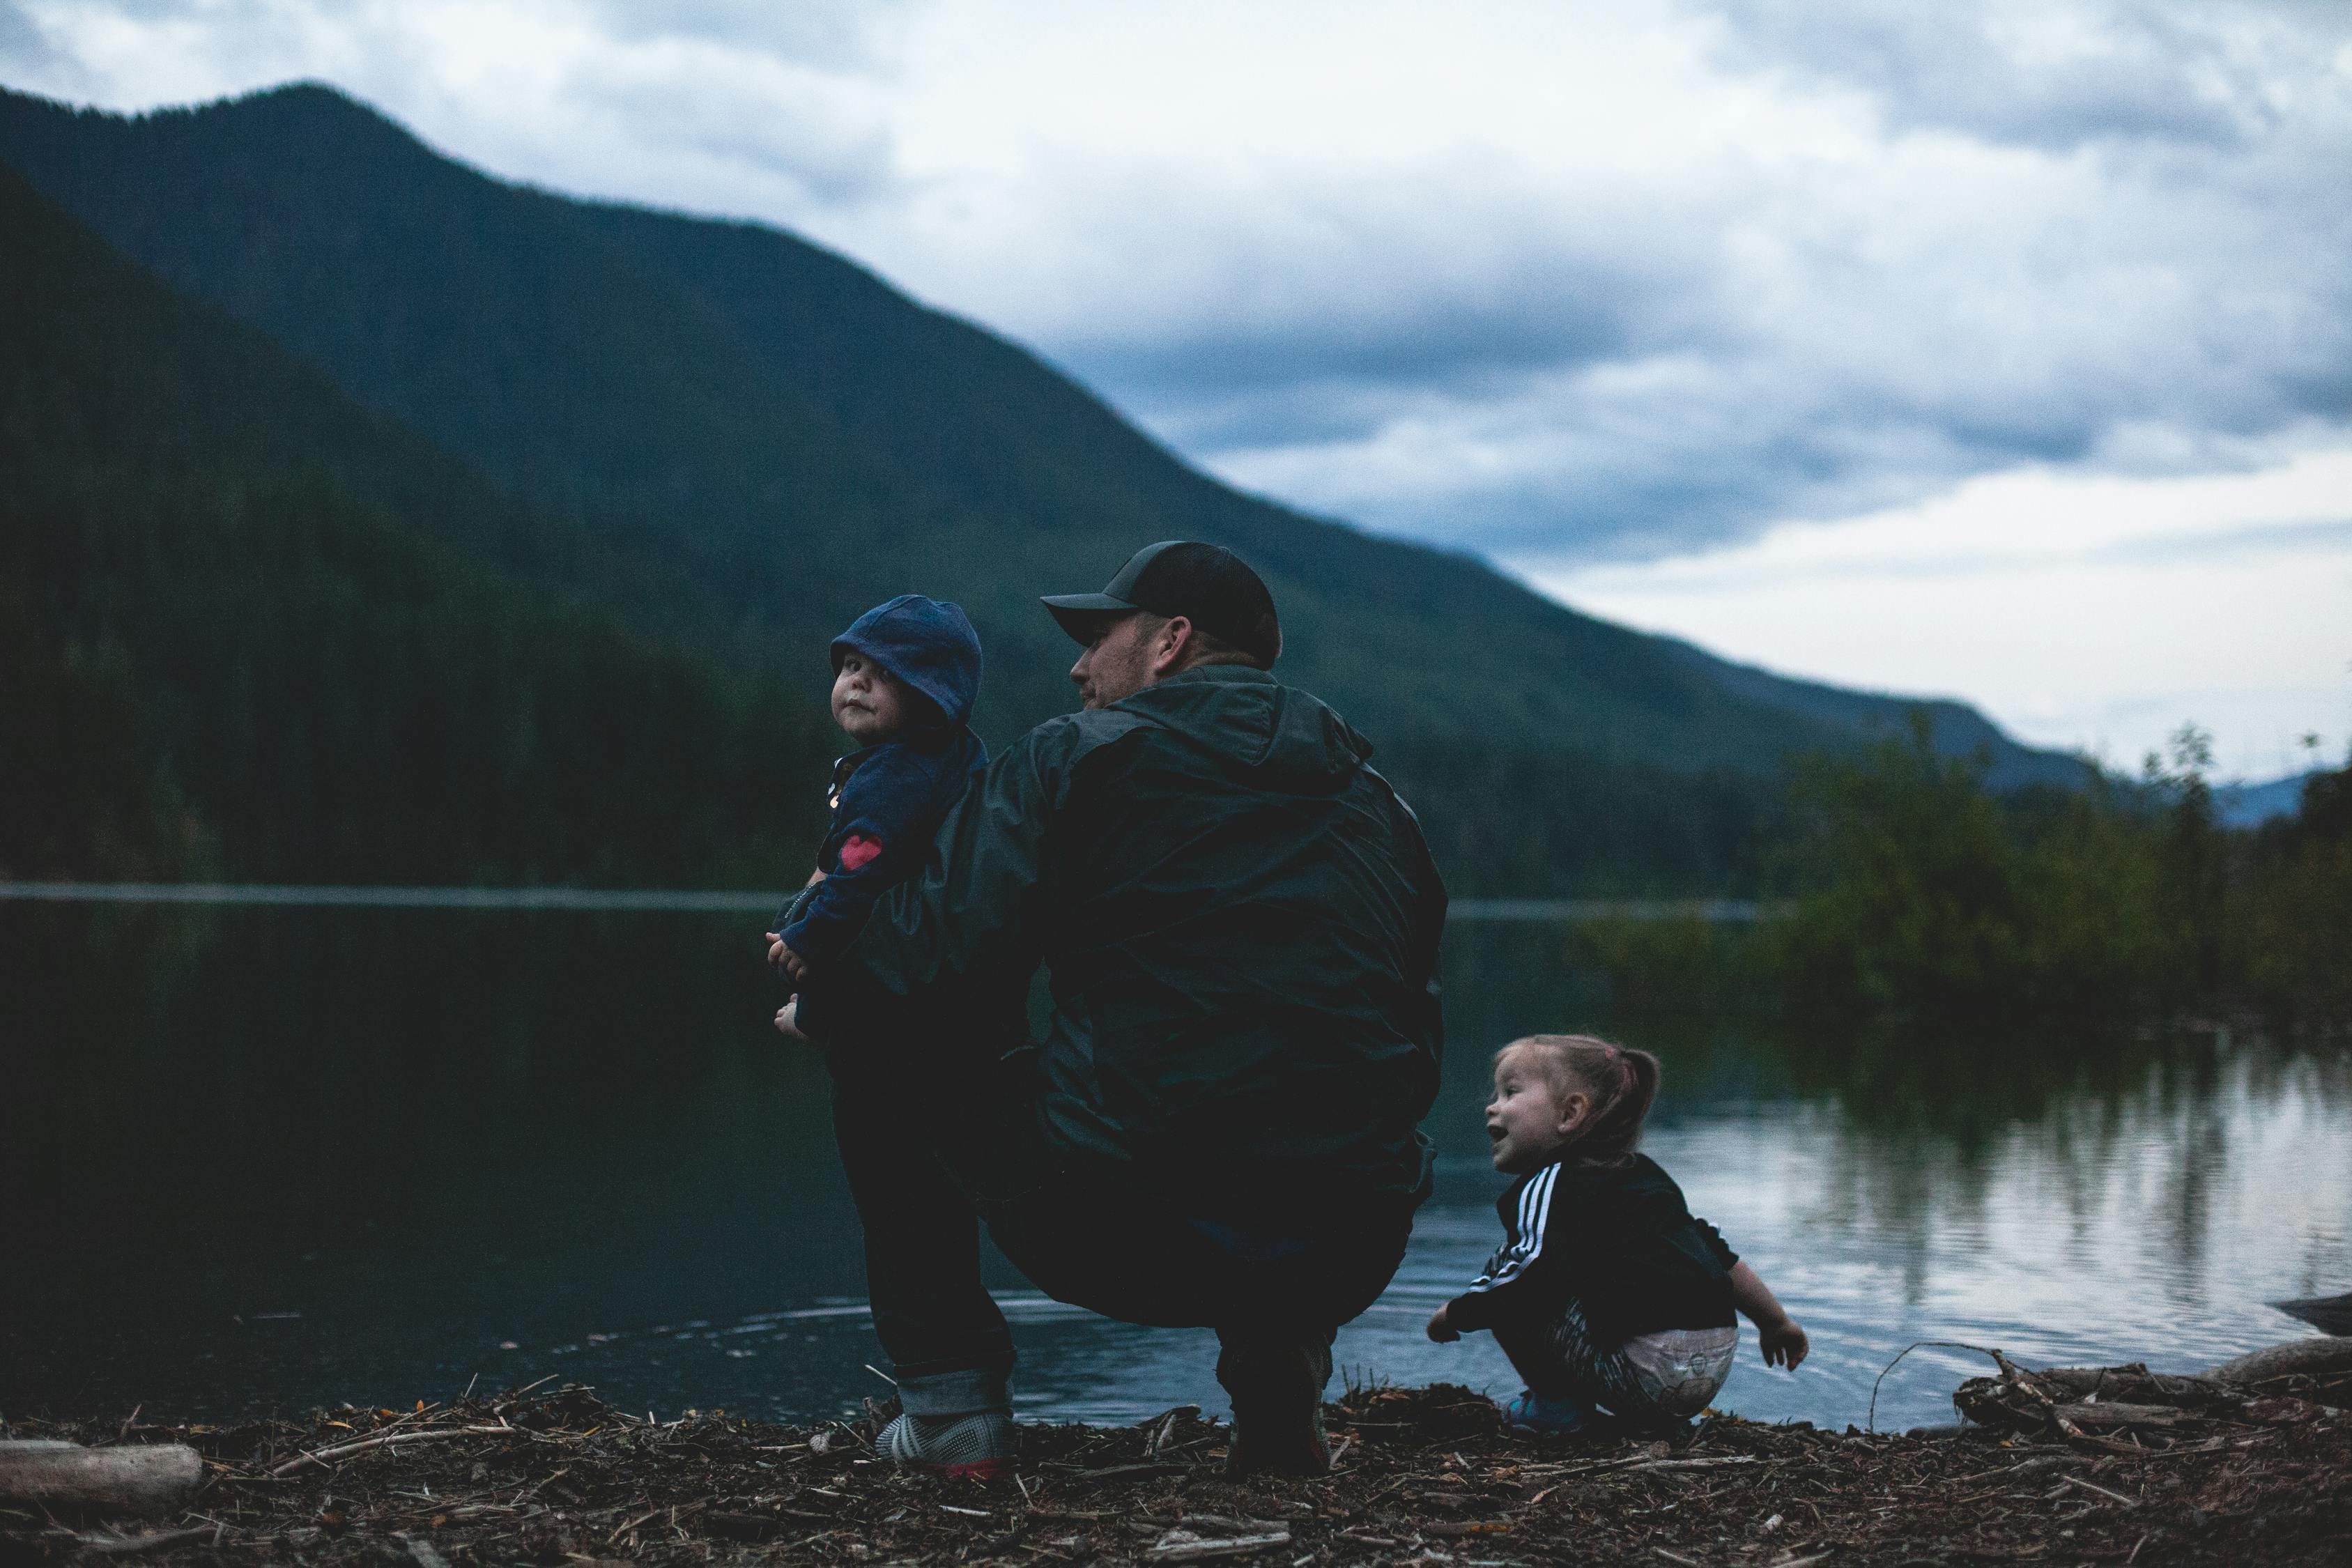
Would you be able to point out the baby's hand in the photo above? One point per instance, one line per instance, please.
(1443, 1332)
(788, 1020)
(1784, 1343)
(795, 966)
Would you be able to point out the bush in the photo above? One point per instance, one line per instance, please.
(2292, 909)
(1920, 893)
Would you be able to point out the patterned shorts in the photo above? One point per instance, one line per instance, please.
(1665, 1377)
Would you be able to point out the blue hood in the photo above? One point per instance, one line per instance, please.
(927, 643)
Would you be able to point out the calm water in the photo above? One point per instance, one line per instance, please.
(260, 1160)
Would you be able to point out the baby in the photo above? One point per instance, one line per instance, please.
(905, 675)
(1606, 1291)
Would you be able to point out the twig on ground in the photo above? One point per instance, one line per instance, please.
(340, 1450)
(1870, 1422)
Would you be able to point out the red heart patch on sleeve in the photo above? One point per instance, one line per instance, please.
(857, 851)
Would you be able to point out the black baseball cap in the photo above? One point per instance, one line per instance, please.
(1207, 585)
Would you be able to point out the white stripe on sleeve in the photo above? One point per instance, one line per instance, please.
(1525, 1245)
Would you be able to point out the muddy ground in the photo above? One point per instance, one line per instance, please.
(1423, 1477)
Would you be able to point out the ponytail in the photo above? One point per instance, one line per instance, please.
(1621, 1082)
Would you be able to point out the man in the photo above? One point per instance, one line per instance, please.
(1239, 924)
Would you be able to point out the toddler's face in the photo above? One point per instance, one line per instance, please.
(1528, 1121)
(869, 703)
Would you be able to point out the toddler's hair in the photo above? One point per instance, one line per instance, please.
(1622, 1081)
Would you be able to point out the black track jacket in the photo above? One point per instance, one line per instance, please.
(1240, 921)
(1619, 1240)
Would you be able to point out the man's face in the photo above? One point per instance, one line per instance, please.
(1118, 661)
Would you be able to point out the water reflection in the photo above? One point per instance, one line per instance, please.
(268, 1158)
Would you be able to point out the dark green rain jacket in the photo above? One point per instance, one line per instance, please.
(1240, 921)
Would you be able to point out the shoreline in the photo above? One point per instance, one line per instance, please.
(2183, 1470)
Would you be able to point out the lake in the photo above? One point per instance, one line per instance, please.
(262, 1159)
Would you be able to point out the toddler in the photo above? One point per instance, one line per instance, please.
(905, 675)
(1606, 1290)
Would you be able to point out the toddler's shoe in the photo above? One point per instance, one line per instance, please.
(953, 1424)
(1679, 1432)
(1541, 1417)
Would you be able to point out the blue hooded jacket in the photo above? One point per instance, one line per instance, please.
(888, 799)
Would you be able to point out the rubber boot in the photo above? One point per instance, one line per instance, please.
(953, 1423)
(1276, 1383)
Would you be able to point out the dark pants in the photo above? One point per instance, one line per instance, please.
(1560, 1359)
(932, 1150)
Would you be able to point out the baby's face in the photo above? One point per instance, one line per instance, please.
(1528, 1121)
(869, 703)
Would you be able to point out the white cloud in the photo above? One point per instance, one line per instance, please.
(1575, 284)
(2094, 612)
(1598, 278)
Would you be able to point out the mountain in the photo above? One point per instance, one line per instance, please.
(2250, 804)
(254, 627)
(728, 441)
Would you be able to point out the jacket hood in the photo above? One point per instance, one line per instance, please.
(1275, 735)
(927, 643)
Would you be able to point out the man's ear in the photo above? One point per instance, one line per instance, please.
(1175, 643)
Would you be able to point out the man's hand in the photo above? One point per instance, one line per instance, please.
(788, 1020)
(795, 966)
(1440, 1329)
(1784, 1342)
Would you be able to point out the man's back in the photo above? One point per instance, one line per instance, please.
(1242, 939)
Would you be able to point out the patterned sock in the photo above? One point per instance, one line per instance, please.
(957, 1422)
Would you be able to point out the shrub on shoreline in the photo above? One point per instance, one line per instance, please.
(1912, 891)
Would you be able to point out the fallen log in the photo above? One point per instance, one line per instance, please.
(2328, 1358)
(129, 1482)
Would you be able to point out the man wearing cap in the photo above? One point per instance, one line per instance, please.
(1239, 921)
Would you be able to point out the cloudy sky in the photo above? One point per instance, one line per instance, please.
(1995, 349)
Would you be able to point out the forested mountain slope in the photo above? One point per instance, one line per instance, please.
(729, 441)
(253, 629)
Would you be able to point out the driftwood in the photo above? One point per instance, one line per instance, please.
(2132, 1381)
(2096, 1406)
(423, 1435)
(2328, 1359)
(162, 1541)
(1185, 1546)
(125, 1482)
(2122, 1414)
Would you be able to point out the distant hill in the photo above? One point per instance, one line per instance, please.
(249, 628)
(2251, 804)
(728, 441)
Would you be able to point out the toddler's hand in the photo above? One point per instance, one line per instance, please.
(795, 966)
(1784, 1343)
(1443, 1332)
(788, 1018)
